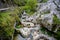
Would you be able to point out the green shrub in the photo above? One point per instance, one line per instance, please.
(19, 26)
(7, 21)
(32, 4)
(44, 31)
(58, 34)
(56, 20)
(28, 5)
(20, 2)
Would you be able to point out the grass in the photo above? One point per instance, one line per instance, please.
(29, 7)
(7, 21)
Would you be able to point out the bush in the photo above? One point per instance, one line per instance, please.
(32, 4)
(20, 2)
(28, 5)
(7, 21)
(56, 20)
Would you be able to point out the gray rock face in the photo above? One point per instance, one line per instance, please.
(48, 18)
(18, 37)
(33, 32)
(32, 24)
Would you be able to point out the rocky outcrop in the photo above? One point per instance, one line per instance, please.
(31, 29)
(44, 16)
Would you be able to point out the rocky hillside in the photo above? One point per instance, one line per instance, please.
(30, 19)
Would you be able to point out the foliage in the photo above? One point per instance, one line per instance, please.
(58, 34)
(32, 6)
(8, 18)
(45, 31)
(28, 5)
(7, 21)
(19, 26)
(56, 20)
(19, 2)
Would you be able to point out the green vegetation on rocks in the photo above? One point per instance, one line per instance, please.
(27, 5)
(44, 31)
(56, 20)
(19, 26)
(7, 21)
(20, 2)
(8, 18)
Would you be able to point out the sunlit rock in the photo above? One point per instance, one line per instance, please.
(24, 17)
(35, 35)
(28, 23)
(25, 32)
